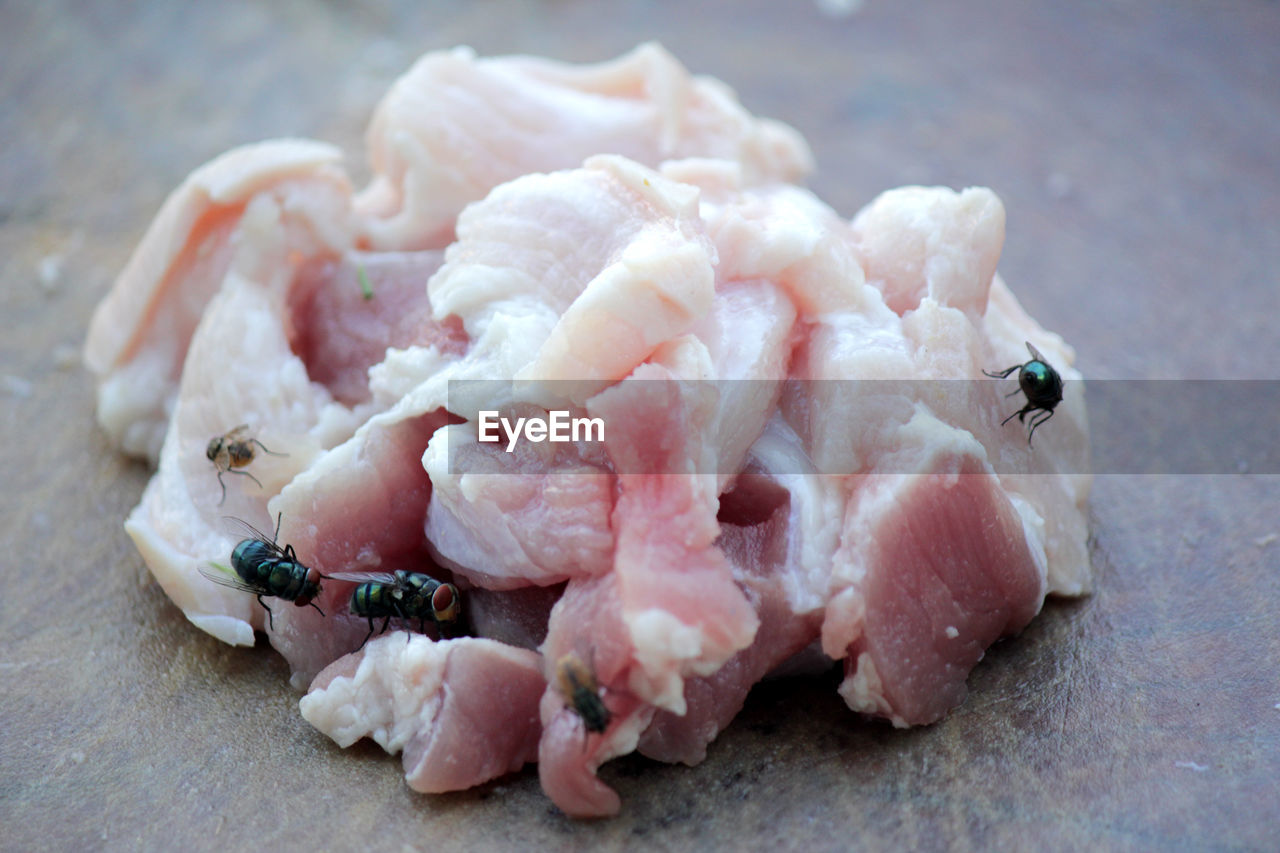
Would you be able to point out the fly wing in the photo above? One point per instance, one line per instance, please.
(364, 577)
(223, 576)
(252, 532)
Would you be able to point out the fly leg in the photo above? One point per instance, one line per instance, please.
(1019, 414)
(1035, 422)
(270, 616)
(224, 485)
(264, 448)
(366, 636)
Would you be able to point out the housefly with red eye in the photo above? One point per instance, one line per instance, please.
(233, 451)
(265, 569)
(402, 595)
(577, 684)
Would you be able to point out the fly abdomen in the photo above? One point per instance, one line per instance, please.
(372, 600)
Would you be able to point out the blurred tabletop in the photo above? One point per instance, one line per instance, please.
(1136, 146)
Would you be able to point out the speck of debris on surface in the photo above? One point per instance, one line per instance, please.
(1190, 765)
(1264, 541)
(840, 8)
(1058, 185)
(49, 270)
(65, 356)
(16, 386)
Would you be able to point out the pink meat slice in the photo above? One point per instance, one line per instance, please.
(669, 608)
(680, 606)
(569, 756)
(587, 623)
(139, 334)
(578, 275)
(539, 514)
(917, 242)
(759, 553)
(358, 508)
(935, 568)
(455, 126)
(179, 525)
(345, 312)
(463, 711)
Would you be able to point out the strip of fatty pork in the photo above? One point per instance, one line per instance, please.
(538, 514)
(239, 369)
(139, 335)
(760, 556)
(668, 609)
(671, 608)
(933, 253)
(357, 508)
(178, 526)
(242, 368)
(463, 711)
(934, 565)
(920, 453)
(547, 277)
(455, 126)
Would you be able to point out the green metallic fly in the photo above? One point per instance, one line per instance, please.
(402, 595)
(264, 568)
(1040, 383)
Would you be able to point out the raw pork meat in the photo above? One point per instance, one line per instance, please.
(798, 448)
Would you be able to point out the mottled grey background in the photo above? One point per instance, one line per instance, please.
(1134, 144)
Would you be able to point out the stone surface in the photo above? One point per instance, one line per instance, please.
(1134, 145)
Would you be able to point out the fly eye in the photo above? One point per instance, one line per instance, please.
(444, 603)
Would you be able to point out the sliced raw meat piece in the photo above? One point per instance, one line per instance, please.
(932, 568)
(357, 508)
(786, 235)
(587, 624)
(345, 313)
(568, 756)
(139, 335)
(761, 558)
(463, 711)
(586, 252)
(539, 514)
(929, 241)
(454, 127)
(178, 526)
(681, 609)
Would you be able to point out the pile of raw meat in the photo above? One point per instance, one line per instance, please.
(630, 228)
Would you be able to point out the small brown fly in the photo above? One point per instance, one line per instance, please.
(232, 452)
